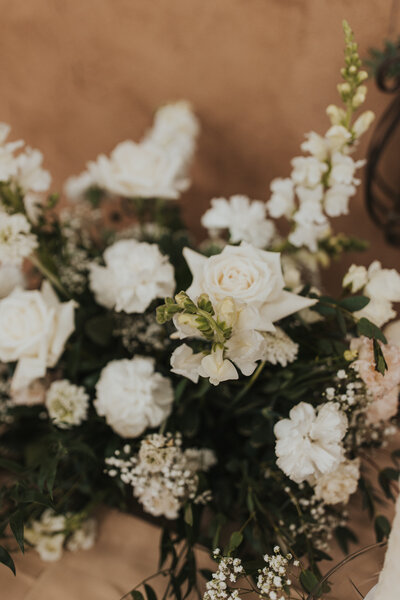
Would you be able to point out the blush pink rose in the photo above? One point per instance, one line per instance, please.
(384, 388)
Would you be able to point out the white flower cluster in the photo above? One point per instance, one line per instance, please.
(309, 443)
(16, 239)
(381, 286)
(34, 327)
(156, 167)
(132, 396)
(245, 286)
(67, 404)
(272, 580)
(135, 274)
(229, 571)
(244, 219)
(321, 526)
(49, 534)
(23, 170)
(163, 476)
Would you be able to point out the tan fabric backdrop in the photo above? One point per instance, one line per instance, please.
(77, 76)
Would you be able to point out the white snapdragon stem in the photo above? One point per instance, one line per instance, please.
(388, 587)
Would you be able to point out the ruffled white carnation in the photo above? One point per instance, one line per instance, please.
(135, 274)
(337, 487)
(279, 348)
(16, 240)
(34, 327)
(244, 219)
(309, 441)
(67, 404)
(132, 396)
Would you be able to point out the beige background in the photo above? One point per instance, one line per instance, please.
(78, 76)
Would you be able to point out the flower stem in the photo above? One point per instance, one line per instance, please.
(253, 379)
(49, 275)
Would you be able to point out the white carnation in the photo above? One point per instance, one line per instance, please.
(279, 348)
(337, 487)
(132, 396)
(244, 219)
(67, 404)
(281, 202)
(309, 442)
(16, 240)
(135, 274)
(34, 327)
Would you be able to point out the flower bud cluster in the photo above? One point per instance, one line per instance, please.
(163, 476)
(272, 580)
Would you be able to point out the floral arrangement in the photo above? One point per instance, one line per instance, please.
(215, 388)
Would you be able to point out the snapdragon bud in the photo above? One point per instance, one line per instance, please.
(227, 312)
(183, 301)
(335, 114)
(350, 355)
(190, 320)
(363, 123)
(359, 97)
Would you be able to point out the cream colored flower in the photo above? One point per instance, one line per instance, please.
(356, 278)
(249, 276)
(34, 327)
(338, 486)
(135, 274)
(281, 202)
(16, 240)
(11, 277)
(184, 362)
(67, 404)
(216, 368)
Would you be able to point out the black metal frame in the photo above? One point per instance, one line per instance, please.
(382, 200)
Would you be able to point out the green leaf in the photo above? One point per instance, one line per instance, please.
(188, 516)
(207, 574)
(309, 581)
(235, 540)
(136, 595)
(341, 322)
(6, 559)
(344, 536)
(365, 327)
(382, 528)
(380, 362)
(354, 303)
(11, 465)
(17, 527)
(150, 593)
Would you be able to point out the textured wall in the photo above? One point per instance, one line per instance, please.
(80, 75)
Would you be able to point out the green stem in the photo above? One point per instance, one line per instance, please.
(253, 379)
(49, 275)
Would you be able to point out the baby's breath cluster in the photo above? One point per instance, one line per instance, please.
(140, 331)
(229, 571)
(163, 476)
(273, 581)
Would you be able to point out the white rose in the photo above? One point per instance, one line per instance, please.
(134, 275)
(217, 368)
(281, 202)
(249, 276)
(184, 362)
(356, 278)
(11, 277)
(34, 327)
(132, 396)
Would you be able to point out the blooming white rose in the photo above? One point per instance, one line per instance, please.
(132, 396)
(184, 362)
(281, 202)
(309, 442)
(217, 368)
(338, 486)
(336, 201)
(307, 170)
(249, 276)
(34, 327)
(16, 240)
(10, 278)
(67, 403)
(244, 219)
(356, 278)
(136, 273)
